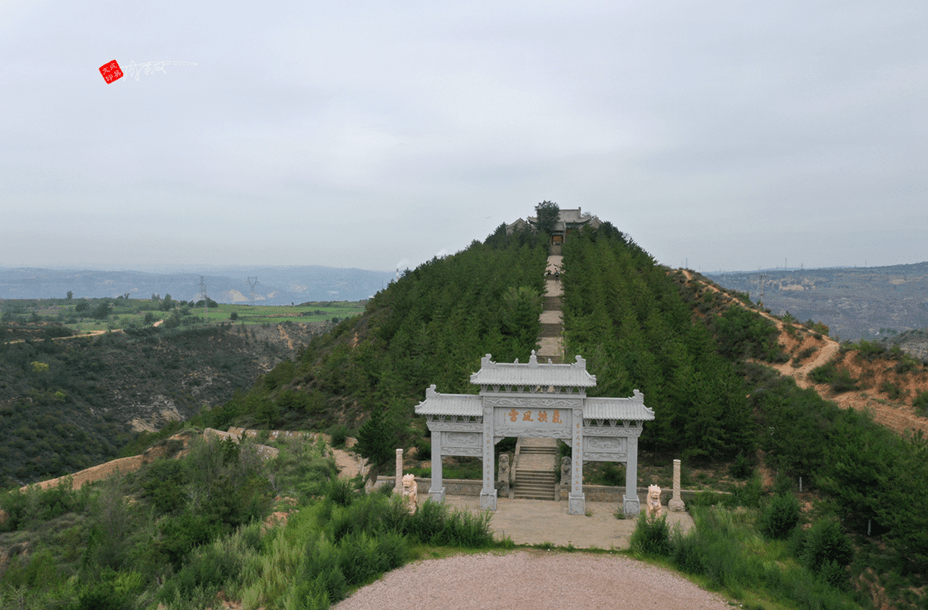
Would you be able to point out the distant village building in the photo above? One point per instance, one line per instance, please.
(569, 221)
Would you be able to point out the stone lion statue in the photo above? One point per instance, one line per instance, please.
(503, 478)
(565, 471)
(654, 502)
(410, 492)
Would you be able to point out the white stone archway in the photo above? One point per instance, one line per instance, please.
(536, 400)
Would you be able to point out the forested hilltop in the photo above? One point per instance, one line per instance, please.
(622, 312)
(697, 353)
(704, 358)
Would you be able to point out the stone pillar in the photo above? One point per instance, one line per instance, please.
(631, 503)
(576, 501)
(488, 493)
(437, 490)
(676, 503)
(398, 486)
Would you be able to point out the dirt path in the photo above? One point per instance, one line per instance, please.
(89, 333)
(532, 580)
(893, 414)
(349, 463)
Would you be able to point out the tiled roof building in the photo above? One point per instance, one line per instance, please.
(569, 221)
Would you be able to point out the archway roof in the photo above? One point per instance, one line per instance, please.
(436, 403)
(533, 373)
(631, 408)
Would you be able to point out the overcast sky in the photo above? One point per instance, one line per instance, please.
(725, 135)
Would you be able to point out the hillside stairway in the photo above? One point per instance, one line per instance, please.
(535, 469)
(535, 472)
(551, 338)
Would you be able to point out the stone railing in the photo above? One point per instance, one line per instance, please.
(453, 487)
(472, 487)
(606, 493)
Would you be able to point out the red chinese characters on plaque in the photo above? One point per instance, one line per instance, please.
(111, 72)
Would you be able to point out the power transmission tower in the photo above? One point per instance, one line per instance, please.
(253, 281)
(762, 278)
(203, 292)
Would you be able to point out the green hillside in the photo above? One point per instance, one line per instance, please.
(622, 312)
(432, 326)
(192, 528)
(70, 404)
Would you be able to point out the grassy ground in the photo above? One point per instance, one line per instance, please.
(135, 313)
(263, 314)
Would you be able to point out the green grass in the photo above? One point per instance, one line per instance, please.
(726, 552)
(131, 313)
(274, 314)
(472, 470)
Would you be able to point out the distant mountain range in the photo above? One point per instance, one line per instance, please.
(854, 302)
(274, 285)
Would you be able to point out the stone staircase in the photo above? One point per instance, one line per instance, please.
(536, 461)
(535, 473)
(551, 338)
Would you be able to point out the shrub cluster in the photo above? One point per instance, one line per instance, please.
(780, 516)
(921, 404)
(195, 528)
(724, 549)
(840, 380)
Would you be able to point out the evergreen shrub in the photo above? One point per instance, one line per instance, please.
(843, 382)
(824, 373)
(905, 365)
(339, 434)
(740, 468)
(747, 495)
(780, 516)
(921, 404)
(826, 549)
(893, 391)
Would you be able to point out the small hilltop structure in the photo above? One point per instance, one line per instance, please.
(569, 221)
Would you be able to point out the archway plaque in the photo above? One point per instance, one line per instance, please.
(539, 401)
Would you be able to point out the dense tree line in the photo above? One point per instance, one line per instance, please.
(625, 316)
